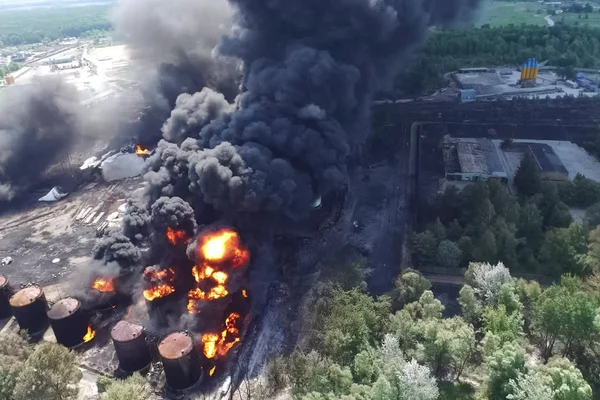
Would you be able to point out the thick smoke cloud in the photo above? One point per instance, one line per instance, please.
(310, 68)
(39, 125)
(174, 213)
(115, 247)
(193, 112)
(175, 42)
(136, 221)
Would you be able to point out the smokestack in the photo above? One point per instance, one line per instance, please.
(29, 307)
(180, 360)
(69, 322)
(4, 296)
(130, 346)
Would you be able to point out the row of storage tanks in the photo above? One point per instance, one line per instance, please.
(180, 358)
(530, 70)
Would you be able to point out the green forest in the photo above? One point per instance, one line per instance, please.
(562, 46)
(531, 232)
(37, 25)
(514, 340)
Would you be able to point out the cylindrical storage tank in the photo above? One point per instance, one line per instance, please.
(180, 360)
(4, 296)
(130, 345)
(29, 308)
(68, 321)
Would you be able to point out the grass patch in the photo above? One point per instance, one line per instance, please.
(593, 19)
(501, 13)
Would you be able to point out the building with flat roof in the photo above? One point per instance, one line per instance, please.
(472, 160)
(550, 166)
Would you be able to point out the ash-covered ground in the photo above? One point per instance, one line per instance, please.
(50, 241)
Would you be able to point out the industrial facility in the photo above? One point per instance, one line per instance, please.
(483, 159)
(531, 79)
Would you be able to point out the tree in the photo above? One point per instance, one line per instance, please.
(531, 226)
(353, 321)
(50, 373)
(416, 383)
(446, 345)
(470, 305)
(527, 179)
(410, 285)
(487, 280)
(424, 246)
(504, 365)
(449, 254)
(592, 215)
(428, 307)
(400, 379)
(486, 249)
(567, 381)
(563, 250)
(565, 316)
(132, 388)
(439, 230)
(508, 327)
(14, 350)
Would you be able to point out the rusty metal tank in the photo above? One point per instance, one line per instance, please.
(180, 360)
(69, 322)
(5, 292)
(130, 346)
(29, 307)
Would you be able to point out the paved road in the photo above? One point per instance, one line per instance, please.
(549, 20)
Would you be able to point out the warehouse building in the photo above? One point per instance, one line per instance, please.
(550, 166)
(472, 160)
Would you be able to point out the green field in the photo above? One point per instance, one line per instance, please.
(593, 19)
(499, 13)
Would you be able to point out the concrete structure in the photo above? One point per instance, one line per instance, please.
(472, 160)
(466, 95)
(550, 165)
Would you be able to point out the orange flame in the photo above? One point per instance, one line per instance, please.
(162, 281)
(212, 371)
(157, 292)
(244, 293)
(174, 237)
(141, 151)
(103, 285)
(89, 335)
(216, 345)
(224, 245)
(201, 274)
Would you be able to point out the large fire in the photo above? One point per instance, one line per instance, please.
(201, 274)
(219, 250)
(174, 237)
(89, 335)
(218, 345)
(103, 285)
(224, 246)
(141, 151)
(161, 281)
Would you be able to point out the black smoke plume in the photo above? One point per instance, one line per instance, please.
(174, 213)
(39, 125)
(310, 68)
(114, 247)
(136, 221)
(175, 43)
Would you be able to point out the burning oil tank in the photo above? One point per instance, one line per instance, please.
(29, 307)
(130, 346)
(180, 360)
(4, 296)
(69, 322)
